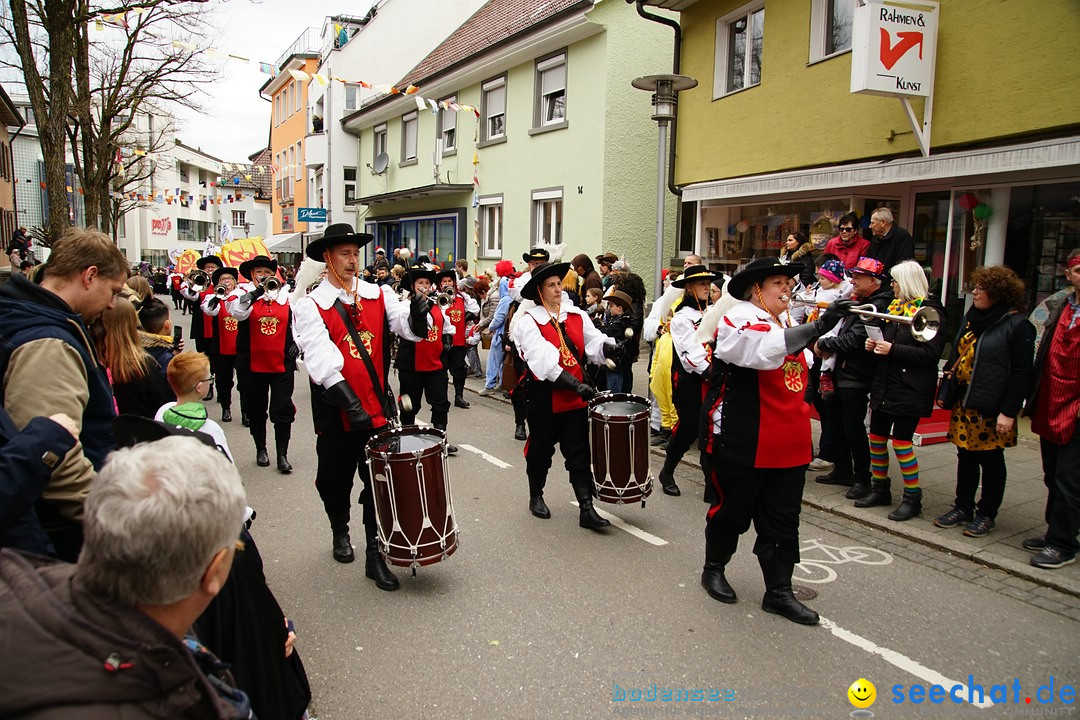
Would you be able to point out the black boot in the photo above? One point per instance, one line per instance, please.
(375, 568)
(460, 401)
(910, 506)
(209, 393)
(588, 518)
(879, 495)
(343, 550)
(835, 478)
(244, 419)
(858, 491)
(258, 434)
(712, 577)
(538, 507)
(779, 598)
(451, 449)
(519, 432)
(226, 413)
(281, 440)
(667, 479)
(661, 437)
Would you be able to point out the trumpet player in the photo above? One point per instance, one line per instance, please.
(226, 330)
(265, 357)
(195, 288)
(459, 308)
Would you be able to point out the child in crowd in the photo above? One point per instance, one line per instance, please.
(619, 307)
(156, 333)
(831, 287)
(593, 308)
(189, 377)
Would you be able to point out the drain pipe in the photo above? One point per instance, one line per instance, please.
(674, 125)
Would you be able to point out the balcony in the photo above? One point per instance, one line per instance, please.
(309, 42)
(315, 150)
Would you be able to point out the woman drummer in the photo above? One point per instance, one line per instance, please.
(758, 446)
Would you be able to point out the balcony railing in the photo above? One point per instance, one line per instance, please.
(308, 42)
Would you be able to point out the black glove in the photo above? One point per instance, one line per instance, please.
(213, 302)
(615, 352)
(447, 343)
(251, 297)
(292, 351)
(833, 314)
(419, 307)
(567, 381)
(341, 395)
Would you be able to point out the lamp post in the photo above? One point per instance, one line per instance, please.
(664, 89)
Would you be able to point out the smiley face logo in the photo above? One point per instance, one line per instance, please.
(862, 693)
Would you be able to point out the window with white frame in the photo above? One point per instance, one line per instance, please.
(183, 173)
(349, 178)
(547, 216)
(239, 217)
(447, 121)
(379, 145)
(739, 38)
(409, 122)
(550, 91)
(491, 214)
(493, 99)
(352, 97)
(830, 27)
(296, 97)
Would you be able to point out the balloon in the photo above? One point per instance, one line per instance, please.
(742, 226)
(968, 201)
(730, 229)
(982, 211)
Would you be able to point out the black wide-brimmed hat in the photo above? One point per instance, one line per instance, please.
(536, 254)
(259, 261)
(201, 262)
(695, 272)
(418, 273)
(758, 270)
(224, 271)
(449, 273)
(531, 291)
(336, 234)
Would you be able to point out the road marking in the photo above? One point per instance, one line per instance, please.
(623, 525)
(490, 458)
(903, 662)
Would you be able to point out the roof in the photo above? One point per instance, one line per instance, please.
(261, 181)
(495, 22)
(9, 114)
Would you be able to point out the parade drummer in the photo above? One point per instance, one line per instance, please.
(461, 308)
(266, 357)
(223, 345)
(343, 327)
(422, 366)
(757, 443)
(689, 368)
(555, 338)
(202, 326)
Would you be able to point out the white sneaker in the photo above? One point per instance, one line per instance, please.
(487, 392)
(819, 465)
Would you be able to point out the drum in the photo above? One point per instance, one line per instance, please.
(414, 511)
(619, 428)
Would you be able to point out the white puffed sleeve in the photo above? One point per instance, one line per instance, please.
(322, 359)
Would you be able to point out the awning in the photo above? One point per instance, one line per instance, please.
(1042, 155)
(285, 242)
(417, 192)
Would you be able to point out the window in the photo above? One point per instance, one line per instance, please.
(349, 176)
(739, 39)
(447, 122)
(547, 216)
(352, 97)
(830, 27)
(494, 113)
(491, 225)
(379, 142)
(239, 217)
(183, 173)
(408, 137)
(551, 91)
(296, 96)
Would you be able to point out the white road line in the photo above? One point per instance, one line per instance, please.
(490, 458)
(623, 525)
(903, 662)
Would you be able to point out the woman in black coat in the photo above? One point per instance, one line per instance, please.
(903, 389)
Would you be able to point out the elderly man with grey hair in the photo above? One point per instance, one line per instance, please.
(105, 638)
(891, 243)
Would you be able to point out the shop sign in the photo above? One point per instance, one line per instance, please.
(162, 226)
(894, 48)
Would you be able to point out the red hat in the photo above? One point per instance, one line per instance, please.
(871, 267)
(504, 268)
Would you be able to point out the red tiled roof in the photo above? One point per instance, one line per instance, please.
(496, 21)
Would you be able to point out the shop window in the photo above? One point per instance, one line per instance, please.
(830, 27)
(739, 40)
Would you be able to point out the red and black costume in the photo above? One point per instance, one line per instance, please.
(226, 330)
(461, 309)
(422, 365)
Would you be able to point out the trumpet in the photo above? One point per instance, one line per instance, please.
(221, 291)
(925, 324)
(270, 284)
(198, 280)
(444, 299)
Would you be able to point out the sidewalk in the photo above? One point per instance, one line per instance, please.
(1020, 517)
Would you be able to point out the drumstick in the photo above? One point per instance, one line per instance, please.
(610, 364)
(406, 403)
(629, 333)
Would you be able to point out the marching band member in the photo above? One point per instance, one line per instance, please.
(343, 327)
(175, 279)
(533, 259)
(226, 330)
(555, 338)
(422, 366)
(689, 368)
(757, 383)
(202, 327)
(459, 310)
(266, 357)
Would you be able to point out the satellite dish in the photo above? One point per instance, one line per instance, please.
(382, 161)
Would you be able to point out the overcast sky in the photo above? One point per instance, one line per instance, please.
(235, 121)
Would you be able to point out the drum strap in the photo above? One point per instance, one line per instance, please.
(389, 406)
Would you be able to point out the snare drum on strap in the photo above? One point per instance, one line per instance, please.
(619, 428)
(414, 511)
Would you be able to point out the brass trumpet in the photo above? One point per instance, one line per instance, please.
(444, 299)
(198, 280)
(925, 323)
(270, 284)
(221, 292)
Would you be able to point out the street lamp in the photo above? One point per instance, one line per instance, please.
(664, 89)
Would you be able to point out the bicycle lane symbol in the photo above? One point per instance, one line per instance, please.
(817, 559)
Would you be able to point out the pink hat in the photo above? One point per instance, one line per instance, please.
(870, 266)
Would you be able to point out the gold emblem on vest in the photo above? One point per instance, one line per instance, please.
(231, 324)
(793, 378)
(365, 338)
(268, 325)
(432, 334)
(456, 315)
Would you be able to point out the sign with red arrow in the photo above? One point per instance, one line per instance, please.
(894, 47)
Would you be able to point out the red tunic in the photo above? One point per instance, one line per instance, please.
(207, 320)
(1058, 399)
(456, 311)
(369, 323)
(563, 400)
(226, 331)
(428, 352)
(267, 328)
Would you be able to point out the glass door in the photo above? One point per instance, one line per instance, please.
(930, 231)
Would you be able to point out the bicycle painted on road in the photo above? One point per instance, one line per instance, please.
(816, 568)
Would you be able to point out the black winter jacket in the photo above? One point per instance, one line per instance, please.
(894, 247)
(906, 379)
(855, 367)
(1001, 375)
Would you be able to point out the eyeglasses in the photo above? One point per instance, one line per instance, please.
(847, 229)
(207, 380)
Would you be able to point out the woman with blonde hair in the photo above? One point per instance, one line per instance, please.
(570, 283)
(138, 384)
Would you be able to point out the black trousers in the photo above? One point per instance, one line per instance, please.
(341, 456)
(223, 367)
(570, 430)
(827, 446)
(846, 416)
(992, 465)
(686, 394)
(1061, 473)
(257, 388)
(433, 385)
(458, 368)
(519, 396)
(771, 498)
